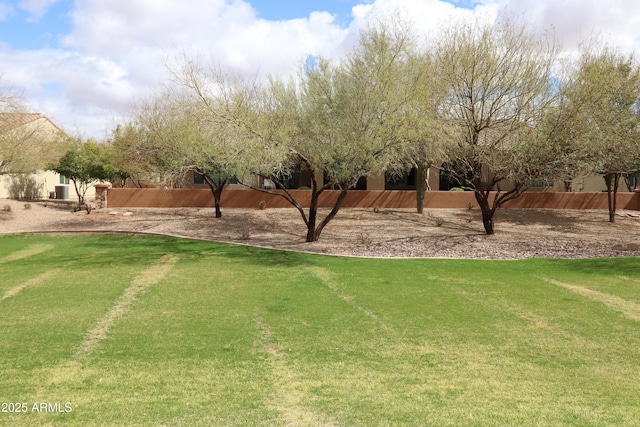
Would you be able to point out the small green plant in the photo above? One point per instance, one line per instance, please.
(376, 209)
(6, 208)
(262, 205)
(439, 222)
(27, 206)
(470, 206)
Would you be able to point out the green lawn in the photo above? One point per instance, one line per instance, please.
(122, 330)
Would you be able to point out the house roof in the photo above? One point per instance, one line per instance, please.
(10, 121)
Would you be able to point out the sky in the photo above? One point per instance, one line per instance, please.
(83, 63)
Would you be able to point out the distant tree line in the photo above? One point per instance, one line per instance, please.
(495, 100)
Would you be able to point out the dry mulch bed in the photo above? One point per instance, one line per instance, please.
(397, 233)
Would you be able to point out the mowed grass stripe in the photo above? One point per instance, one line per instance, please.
(629, 309)
(27, 252)
(32, 282)
(330, 280)
(289, 391)
(149, 277)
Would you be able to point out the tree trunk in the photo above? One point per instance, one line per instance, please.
(216, 198)
(612, 180)
(421, 187)
(487, 212)
(334, 211)
(79, 193)
(216, 190)
(313, 215)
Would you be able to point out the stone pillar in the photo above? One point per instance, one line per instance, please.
(101, 195)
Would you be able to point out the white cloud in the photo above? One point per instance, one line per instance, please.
(36, 8)
(617, 21)
(116, 49)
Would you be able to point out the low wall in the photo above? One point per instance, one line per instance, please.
(251, 199)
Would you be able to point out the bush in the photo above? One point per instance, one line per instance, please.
(364, 239)
(6, 208)
(24, 187)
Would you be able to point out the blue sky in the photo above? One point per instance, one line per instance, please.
(278, 10)
(24, 30)
(84, 62)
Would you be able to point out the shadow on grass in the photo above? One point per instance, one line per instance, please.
(135, 248)
(628, 266)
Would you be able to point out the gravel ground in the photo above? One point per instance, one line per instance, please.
(397, 233)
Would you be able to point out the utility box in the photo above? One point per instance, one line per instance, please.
(62, 192)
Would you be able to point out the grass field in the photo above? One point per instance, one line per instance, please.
(123, 330)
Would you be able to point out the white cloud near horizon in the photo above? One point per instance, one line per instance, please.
(115, 50)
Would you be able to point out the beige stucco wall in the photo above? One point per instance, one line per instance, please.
(47, 180)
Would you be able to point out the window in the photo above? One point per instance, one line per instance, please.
(64, 179)
(544, 182)
(406, 181)
(199, 179)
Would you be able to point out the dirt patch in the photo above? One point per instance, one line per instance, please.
(441, 233)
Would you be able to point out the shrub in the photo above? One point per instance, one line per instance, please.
(245, 233)
(27, 206)
(6, 208)
(364, 239)
(24, 187)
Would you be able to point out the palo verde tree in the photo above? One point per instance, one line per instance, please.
(345, 121)
(227, 125)
(500, 84)
(603, 99)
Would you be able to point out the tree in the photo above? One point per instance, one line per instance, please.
(500, 84)
(345, 121)
(83, 164)
(604, 105)
(28, 141)
(229, 122)
(201, 124)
